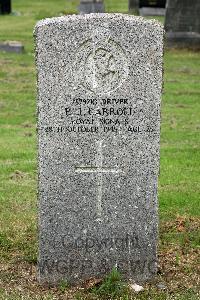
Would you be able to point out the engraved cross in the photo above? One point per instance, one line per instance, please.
(99, 170)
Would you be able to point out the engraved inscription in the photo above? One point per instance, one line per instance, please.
(105, 116)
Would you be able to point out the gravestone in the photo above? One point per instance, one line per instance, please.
(91, 6)
(133, 7)
(99, 97)
(12, 46)
(152, 3)
(182, 23)
(152, 7)
(5, 7)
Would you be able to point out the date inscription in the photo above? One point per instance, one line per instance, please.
(107, 115)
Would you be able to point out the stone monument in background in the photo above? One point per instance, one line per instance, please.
(99, 94)
(5, 7)
(91, 6)
(152, 7)
(133, 7)
(182, 23)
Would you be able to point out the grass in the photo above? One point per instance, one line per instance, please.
(179, 182)
(112, 286)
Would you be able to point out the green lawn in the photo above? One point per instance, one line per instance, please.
(179, 183)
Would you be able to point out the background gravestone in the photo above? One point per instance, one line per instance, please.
(152, 3)
(5, 7)
(182, 23)
(12, 46)
(133, 7)
(99, 97)
(91, 6)
(152, 7)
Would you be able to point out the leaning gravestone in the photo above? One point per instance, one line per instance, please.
(5, 7)
(99, 97)
(182, 23)
(91, 6)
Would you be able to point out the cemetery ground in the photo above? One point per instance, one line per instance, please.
(179, 186)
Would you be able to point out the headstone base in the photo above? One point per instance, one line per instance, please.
(190, 40)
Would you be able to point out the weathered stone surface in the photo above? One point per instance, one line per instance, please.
(99, 91)
(91, 6)
(182, 23)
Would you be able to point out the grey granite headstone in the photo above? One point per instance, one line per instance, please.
(91, 6)
(99, 95)
(182, 23)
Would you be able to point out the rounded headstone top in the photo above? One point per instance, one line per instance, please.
(69, 19)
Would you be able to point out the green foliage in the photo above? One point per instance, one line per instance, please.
(4, 241)
(112, 287)
(63, 285)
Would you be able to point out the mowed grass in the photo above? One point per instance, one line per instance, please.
(180, 155)
(179, 182)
